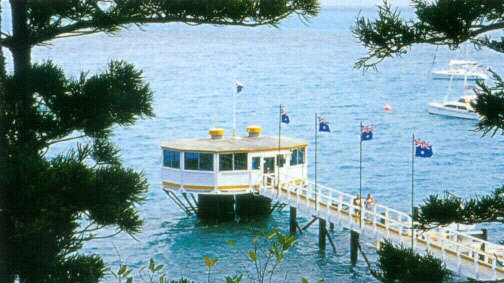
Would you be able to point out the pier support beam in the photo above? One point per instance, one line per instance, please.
(322, 234)
(354, 246)
(293, 220)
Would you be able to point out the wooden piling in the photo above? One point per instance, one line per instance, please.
(293, 220)
(322, 234)
(354, 246)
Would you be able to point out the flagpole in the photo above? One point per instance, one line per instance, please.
(234, 113)
(279, 140)
(360, 177)
(412, 189)
(316, 149)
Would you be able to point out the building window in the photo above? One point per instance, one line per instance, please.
(171, 159)
(301, 155)
(226, 162)
(280, 160)
(206, 162)
(240, 161)
(256, 163)
(198, 161)
(297, 156)
(294, 157)
(232, 161)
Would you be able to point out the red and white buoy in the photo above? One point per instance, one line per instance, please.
(387, 108)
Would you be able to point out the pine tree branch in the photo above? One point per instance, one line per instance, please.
(64, 140)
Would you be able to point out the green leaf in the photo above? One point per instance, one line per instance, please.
(159, 267)
(122, 269)
(130, 280)
(304, 280)
(210, 261)
(231, 243)
(320, 281)
(151, 265)
(256, 238)
(128, 272)
(252, 255)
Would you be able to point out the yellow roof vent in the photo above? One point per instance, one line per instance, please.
(253, 131)
(216, 133)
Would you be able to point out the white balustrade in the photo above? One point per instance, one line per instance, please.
(395, 222)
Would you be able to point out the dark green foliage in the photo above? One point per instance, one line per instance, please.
(402, 265)
(490, 104)
(440, 22)
(77, 17)
(49, 207)
(437, 211)
(79, 268)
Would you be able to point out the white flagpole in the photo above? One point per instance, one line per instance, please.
(360, 177)
(234, 112)
(279, 144)
(412, 190)
(316, 149)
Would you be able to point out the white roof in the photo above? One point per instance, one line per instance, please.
(234, 144)
(463, 62)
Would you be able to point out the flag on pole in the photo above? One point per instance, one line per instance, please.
(423, 149)
(323, 125)
(239, 86)
(285, 117)
(366, 133)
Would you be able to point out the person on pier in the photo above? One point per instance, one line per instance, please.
(357, 200)
(369, 202)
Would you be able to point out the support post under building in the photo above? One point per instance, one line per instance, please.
(322, 234)
(354, 246)
(293, 220)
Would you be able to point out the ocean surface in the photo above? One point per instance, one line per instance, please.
(308, 67)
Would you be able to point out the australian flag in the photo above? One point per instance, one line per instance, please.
(239, 86)
(323, 125)
(423, 149)
(366, 133)
(285, 117)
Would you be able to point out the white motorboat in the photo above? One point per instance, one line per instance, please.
(460, 108)
(462, 70)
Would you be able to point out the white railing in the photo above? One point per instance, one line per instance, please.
(381, 220)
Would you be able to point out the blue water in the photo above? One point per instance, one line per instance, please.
(307, 68)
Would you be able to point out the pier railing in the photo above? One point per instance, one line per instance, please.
(462, 253)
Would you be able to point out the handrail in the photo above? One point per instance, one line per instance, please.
(400, 220)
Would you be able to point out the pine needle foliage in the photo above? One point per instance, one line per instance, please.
(400, 264)
(51, 205)
(443, 211)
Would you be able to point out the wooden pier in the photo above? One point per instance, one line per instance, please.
(462, 253)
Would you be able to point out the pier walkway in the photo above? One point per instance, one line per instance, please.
(462, 253)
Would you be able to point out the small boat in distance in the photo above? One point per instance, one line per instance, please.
(460, 108)
(462, 70)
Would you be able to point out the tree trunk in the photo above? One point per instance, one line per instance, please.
(21, 101)
(4, 275)
(21, 54)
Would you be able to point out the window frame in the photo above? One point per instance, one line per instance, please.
(199, 167)
(233, 162)
(258, 158)
(174, 156)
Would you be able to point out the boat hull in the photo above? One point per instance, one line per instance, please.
(438, 109)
